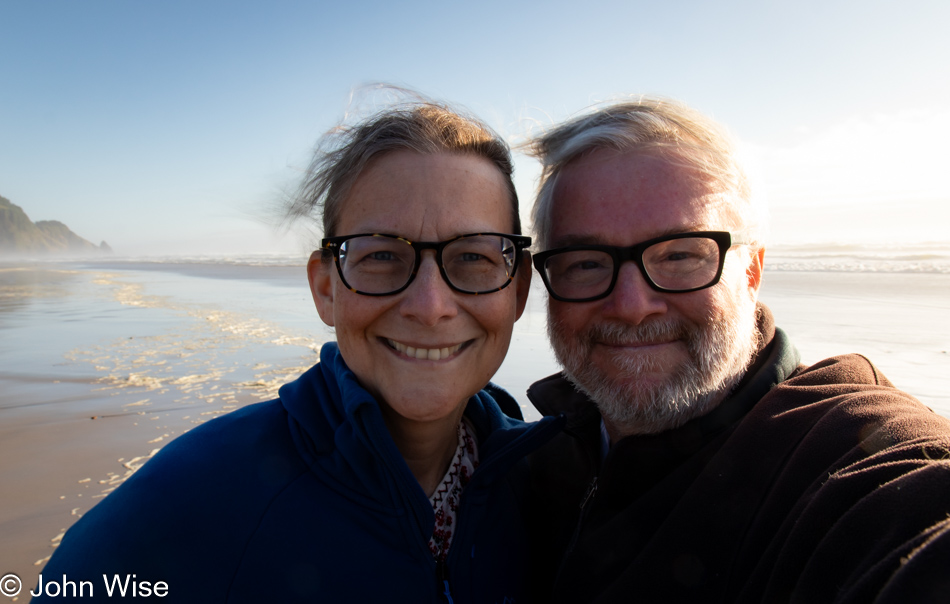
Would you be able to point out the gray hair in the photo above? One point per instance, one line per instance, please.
(423, 126)
(650, 125)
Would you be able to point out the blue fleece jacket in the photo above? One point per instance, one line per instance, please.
(306, 498)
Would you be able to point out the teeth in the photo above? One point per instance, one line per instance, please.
(432, 354)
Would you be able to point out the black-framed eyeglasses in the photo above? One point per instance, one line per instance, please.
(377, 264)
(680, 263)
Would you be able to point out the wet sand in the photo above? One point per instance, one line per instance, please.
(900, 321)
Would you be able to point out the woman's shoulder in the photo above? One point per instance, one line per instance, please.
(239, 434)
(214, 459)
(195, 503)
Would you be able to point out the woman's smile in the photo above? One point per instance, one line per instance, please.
(432, 353)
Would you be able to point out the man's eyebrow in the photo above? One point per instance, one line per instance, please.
(569, 240)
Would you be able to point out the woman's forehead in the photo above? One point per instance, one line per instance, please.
(443, 194)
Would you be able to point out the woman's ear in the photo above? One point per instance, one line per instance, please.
(320, 275)
(523, 282)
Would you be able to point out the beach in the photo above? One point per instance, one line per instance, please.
(102, 363)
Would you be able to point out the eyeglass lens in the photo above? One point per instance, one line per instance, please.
(380, 265)
(674, 265)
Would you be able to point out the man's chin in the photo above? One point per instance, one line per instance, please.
(635, 387)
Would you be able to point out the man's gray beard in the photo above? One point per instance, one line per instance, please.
(719, 355)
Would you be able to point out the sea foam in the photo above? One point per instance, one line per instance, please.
(927, 257)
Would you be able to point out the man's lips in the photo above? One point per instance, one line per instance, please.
(432, 354)
(636, 344)
(654, 334)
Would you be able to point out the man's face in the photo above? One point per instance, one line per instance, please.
(650, 360)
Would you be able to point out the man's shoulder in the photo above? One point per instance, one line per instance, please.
(851, 383)
(845, 406)
(871, 464)
(844, 369)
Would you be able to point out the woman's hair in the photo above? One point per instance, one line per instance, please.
(656, 126)
(422, 125)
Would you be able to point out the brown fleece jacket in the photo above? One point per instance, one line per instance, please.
(817, 484)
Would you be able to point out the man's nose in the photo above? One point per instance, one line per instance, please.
(632, 299)
(429, 299)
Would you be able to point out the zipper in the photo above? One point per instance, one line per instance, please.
(443, 575)
(591, 490)
(588, 496)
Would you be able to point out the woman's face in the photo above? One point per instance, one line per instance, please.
(423, 198)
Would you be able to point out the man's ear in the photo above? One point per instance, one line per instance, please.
(754, 272)
(523, 282)
(320, 275)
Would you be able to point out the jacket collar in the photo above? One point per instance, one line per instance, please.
(339, 431)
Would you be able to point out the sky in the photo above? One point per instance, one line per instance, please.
(173, 127)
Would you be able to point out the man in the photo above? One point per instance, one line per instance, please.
(701, 462)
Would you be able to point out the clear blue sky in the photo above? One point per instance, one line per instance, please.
(164, 127)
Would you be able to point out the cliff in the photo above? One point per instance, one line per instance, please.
(20, 235)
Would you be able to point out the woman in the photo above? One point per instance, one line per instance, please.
(384, 472)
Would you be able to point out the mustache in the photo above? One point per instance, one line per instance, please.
(654, 332)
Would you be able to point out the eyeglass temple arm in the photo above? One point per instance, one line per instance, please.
(741, 237)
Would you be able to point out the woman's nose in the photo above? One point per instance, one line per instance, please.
(429, 299)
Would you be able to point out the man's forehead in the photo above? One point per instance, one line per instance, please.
(615, 198)
(643, 169)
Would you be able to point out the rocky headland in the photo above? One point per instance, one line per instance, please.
(21, 236)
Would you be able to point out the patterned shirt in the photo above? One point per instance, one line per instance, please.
(445, 499)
